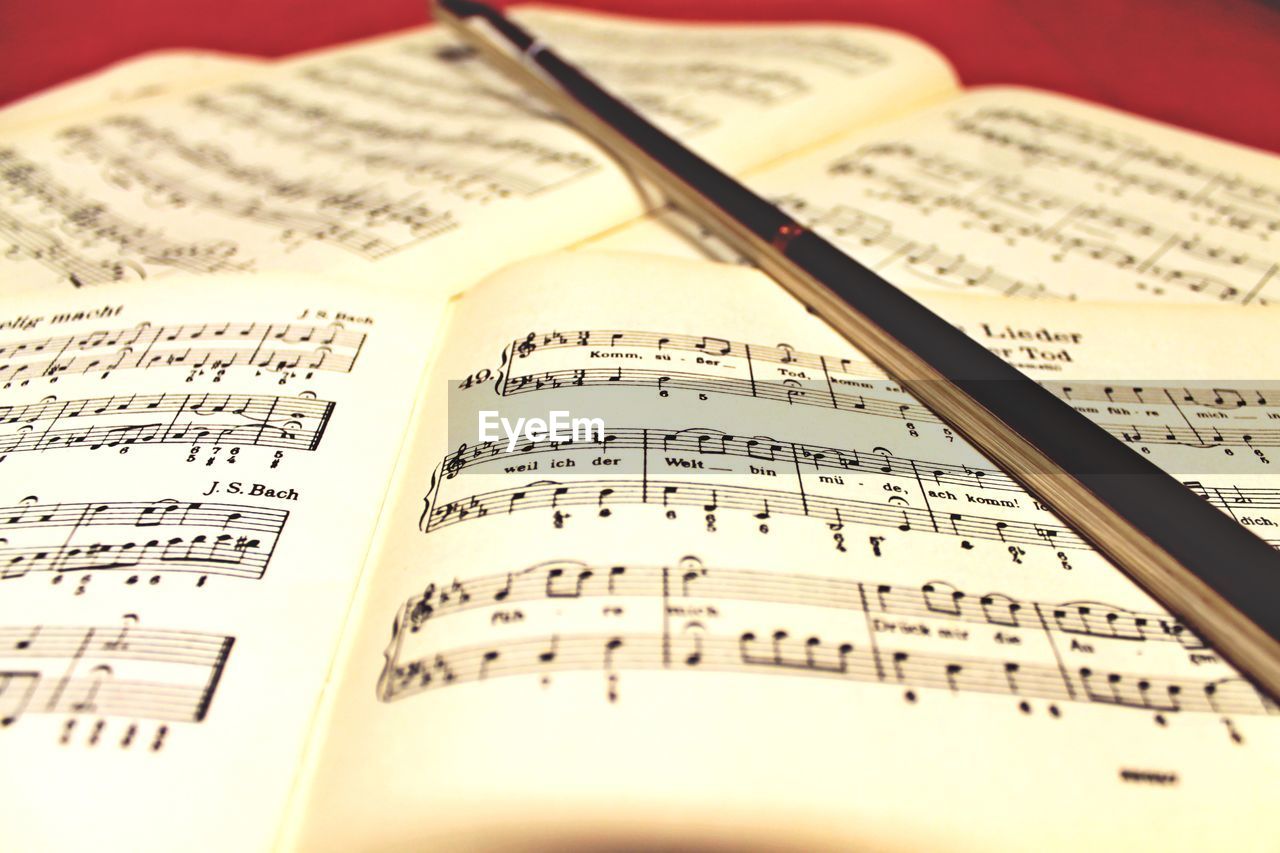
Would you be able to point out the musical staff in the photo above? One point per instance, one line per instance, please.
(367, 153)
(1092, 231)
(530, 166)
(1242, 206)
(763, 503)
(782, 374)
(864, 234)
(709, 471)
(162, 536)
(224, 162)
(342, 218)
(150, 419)
(747, 653)
(84, 224)
(843, 53)
(123, 671)
(405, 86)
(707, 443)
(277, 347)
(868, 648)
(568, 579)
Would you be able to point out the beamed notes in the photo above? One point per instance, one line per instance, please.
(123, 671)
(160, 536)
(1153, 413)
(291, 350)
(904, 476)
(125, 421)
(218, 494)
(1017, 193)
(404, 147)
(891, 635)
(835, 485)
(201, 460)
(845, 534)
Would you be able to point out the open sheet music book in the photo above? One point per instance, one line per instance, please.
(265, 586)
(406, 154)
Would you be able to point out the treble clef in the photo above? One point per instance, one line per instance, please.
(422, 608)
(526, 346)
(453, 462)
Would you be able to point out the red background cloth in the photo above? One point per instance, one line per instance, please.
(1209, 65)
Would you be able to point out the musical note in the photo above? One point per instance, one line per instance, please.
(780, 649)
(164, 536)
(728, 376)
(922, 195)
(295, 349)
(240, 419)
(126, 671)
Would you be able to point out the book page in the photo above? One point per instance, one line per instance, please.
(145, 76)
(1013, 191)
(408, 155)
(189, 479)
(773, 602)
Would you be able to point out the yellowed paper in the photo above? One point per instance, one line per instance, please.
(778, 604)
(408, 156)
(1018, 192)
(189, 480)
(128, 81)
